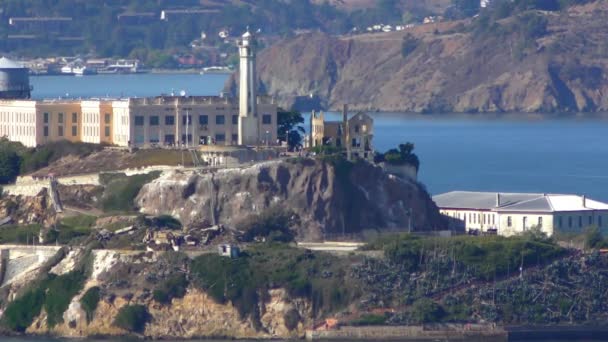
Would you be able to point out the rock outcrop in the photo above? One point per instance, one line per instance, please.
(29, 209)
(513, 65)
(328, 198)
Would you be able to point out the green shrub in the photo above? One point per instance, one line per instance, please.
(425, 310)
(132, 318)
(291, 318)
(89, 302)
(19, 234)
(369, 319)
(60, 291)
(594, 238)
(174, 287)
(21, 312)
(408, 45)
(273, 224)
(226, 279)
(166, 221)
(9, 165)
(404, 155)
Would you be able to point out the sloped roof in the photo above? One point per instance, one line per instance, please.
(522, 202)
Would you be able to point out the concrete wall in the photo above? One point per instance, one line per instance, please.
(28, 186)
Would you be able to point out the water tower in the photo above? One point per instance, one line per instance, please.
(14, 80)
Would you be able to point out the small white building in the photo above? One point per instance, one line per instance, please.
(513, 213)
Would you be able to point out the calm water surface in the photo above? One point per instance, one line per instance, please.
(546, 156)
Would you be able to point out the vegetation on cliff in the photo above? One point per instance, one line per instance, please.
(316, 276)
(53, 293)
(89, 302)
(132, 318)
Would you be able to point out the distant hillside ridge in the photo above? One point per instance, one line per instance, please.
(531, 61)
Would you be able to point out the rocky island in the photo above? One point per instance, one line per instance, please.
(138, 255)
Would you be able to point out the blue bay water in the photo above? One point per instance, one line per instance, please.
(457, 153)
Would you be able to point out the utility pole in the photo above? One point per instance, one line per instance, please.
(409, 225)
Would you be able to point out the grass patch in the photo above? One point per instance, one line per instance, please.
(147, 157)
(19, 233)
(89, 302)
(132, 318)
(70, 228)
(120, 191)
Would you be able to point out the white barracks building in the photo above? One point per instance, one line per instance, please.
(163, 121)
(513, 213)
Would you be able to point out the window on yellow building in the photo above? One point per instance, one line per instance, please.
(106, 118)
(60, 118)
(74, 131)
(107, 131)
(60, 131)
(74, 117)
(46, 118)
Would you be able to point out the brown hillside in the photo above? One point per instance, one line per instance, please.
(455, 66)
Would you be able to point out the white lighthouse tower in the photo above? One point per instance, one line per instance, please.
(248, 116)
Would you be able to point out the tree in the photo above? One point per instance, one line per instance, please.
(9, 165)
(465, 8)
(289, 127)
(425, 310)
(401, 156)
(408, 45)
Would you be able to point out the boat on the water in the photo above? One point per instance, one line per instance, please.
(75, 70)
(216, 70)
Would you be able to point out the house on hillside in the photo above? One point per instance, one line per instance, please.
(354, 135)
(512, 213)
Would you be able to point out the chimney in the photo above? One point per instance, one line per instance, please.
(584, 198)
(498, 199)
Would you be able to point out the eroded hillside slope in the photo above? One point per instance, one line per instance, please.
(531, 62)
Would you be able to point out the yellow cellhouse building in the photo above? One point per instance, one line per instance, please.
(171, 121)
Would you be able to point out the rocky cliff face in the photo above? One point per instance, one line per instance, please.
(453, 67)
(328, 198)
